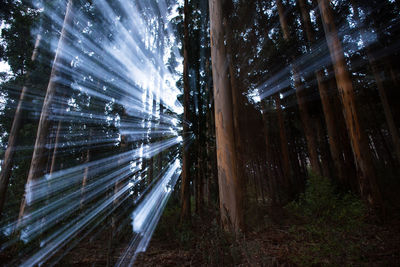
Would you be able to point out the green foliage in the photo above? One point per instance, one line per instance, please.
(332, 233)
(17, 45)
(320, 203)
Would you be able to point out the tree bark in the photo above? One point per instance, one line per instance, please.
(367, 178)
(394, 133)
(185, 186)
(237, 105)
(287, 167)
(37, 163)
(332, 129)
(13, 135)
(300, 94)
(271, 173)
(230, 192)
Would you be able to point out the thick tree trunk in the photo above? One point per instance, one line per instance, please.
(367, 178)
(37, 163)
(237, 106)
(300, 94)
(185, 186)
(13, 135)
(230, 192)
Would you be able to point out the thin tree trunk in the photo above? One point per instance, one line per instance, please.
(37, 164)
(324, 150)
(334, 143)
(287, 167)
(55, 150)
(394, 133)
(300, 94)
(85, 172)
(271, 175)
(381, 88)
(230, 192)
(367, 178)
(13, 135)
(185, 186)
(160, 155)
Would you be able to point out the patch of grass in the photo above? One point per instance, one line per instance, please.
(333, 224)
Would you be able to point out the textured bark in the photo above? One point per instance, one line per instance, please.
(38, 159)
(237, 105)
(230, 192)
(346, 151)
(185, 186)
(13, 135)
(367, 178)
(332, 129)
(300, 94)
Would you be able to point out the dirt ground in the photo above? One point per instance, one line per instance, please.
(282, 241)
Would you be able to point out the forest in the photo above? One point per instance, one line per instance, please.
(200, 133)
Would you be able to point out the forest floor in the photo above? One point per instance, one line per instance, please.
(275, 237)
(320, 229)
(283, 240)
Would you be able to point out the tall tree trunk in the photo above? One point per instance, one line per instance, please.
(367, 178)
(13, 135)
(287, 168)
(394, 133)
(37, 164)
(160, 155)
(323, 145)
(152, 138)
(334, 142)
(237, 105)
(300, 94)
(346, 151)
(271, 175)
(230, 192)
(185, 186)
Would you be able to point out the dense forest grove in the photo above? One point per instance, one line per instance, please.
(200, 132)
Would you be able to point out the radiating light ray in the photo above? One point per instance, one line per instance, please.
(116, 107)
(147, 214)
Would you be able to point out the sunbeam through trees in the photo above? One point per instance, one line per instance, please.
(208, 132)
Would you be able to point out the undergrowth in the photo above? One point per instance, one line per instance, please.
(331, 232)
